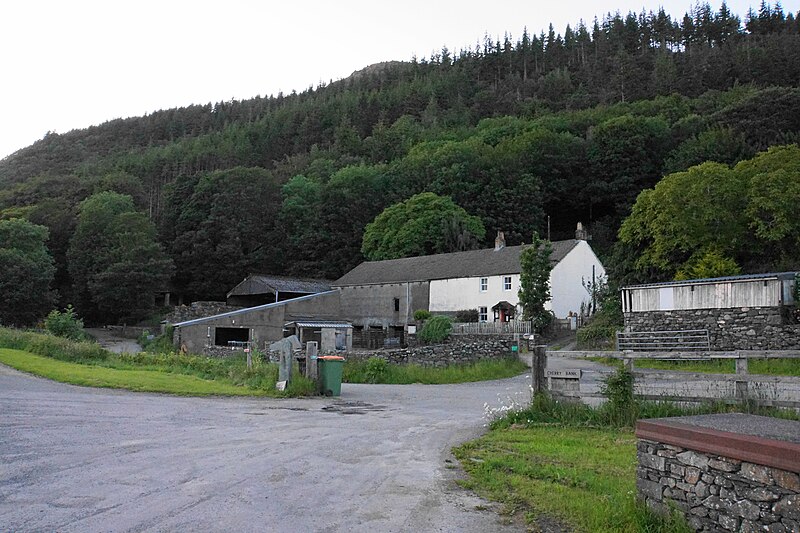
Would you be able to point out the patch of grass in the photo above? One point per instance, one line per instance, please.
(143, 380)
(90, 357)
(364, 372)
(583, 476)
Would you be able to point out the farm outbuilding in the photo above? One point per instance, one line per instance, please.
(259, 289)
(255, 325)
(749, 312)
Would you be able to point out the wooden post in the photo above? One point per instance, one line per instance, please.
(539, 363)
(628, 364)
(741, 385)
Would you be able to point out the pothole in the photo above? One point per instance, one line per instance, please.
(353, 408)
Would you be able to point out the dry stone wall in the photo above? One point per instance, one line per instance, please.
(455, 352)
(718, 493)
(745, 328)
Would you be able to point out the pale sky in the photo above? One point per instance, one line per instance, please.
(69, 64)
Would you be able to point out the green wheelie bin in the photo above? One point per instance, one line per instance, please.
(330, 374)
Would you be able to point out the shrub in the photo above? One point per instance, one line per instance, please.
(66, 324)
(436, 329)
(377, 370)
(622, 407)
(158, 344)
(467, 315)
(421, 314)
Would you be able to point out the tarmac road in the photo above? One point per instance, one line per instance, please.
(82, 459)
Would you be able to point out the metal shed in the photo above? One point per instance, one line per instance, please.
(332, 336)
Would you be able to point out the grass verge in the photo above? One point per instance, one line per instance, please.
(130, 379)
(88, 364)
(376, 370)
(584, 477)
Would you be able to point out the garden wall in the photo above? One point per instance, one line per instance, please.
(745, 328)
(729, 472)
(457, 351)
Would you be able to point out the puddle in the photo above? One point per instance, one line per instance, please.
(353, 408)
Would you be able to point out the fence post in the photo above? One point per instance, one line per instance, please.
(741, 384)
(538, 365)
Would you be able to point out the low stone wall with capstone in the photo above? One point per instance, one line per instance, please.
(455, 352)
(744, 328)
(717, 492)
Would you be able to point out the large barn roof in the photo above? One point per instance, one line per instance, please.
(266, 284)
(472, 263)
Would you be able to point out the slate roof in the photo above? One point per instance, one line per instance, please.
(723, 279)
(473, 263)
(266, 284)
(250, 309)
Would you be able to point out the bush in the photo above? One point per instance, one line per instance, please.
(421, 314)
(66, 324)
(436, 329)
(622, 407)
(158, 344)
(467, 315)
(597, 336)
(377, 370)
(51, 346)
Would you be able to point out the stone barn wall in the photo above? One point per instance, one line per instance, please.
(743, 328)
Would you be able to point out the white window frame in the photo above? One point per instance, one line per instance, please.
(483, 314)
(483, 284)
(507, 283)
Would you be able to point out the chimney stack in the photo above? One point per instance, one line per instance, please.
(580, 233)
(499, 241)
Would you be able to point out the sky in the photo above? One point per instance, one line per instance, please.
(73, 64)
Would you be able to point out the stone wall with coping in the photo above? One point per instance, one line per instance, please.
(457, 351)
(718, 493)
(724, 472)
(745, 328)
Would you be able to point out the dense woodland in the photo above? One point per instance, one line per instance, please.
(564, 127)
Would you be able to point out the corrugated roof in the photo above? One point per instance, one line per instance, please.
(249, 309)
(472, 263)
(267, 284)
(723, 279)
(320, 324)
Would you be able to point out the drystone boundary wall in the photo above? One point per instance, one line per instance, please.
(745, 328)
(454, 352)
(710, 482)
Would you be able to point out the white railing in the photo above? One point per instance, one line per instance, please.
(491, 328)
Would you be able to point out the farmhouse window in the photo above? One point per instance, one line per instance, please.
(507, 283)
(484, 284)
(483, 314)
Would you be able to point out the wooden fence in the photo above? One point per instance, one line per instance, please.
(694, 387)
(492, 328)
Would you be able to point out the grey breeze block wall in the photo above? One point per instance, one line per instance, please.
(457, 351)
(374, 305)
(744, 328)
(716, 492)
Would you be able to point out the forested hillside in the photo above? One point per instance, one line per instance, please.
(571, 126)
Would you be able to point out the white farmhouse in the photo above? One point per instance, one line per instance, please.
(386, 293)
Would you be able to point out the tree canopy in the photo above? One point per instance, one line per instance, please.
(424, 224)
(115, 261)
(713, 219)
(534, 281)
(27, 272)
